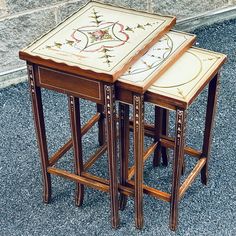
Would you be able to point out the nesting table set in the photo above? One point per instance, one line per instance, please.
(107, 54)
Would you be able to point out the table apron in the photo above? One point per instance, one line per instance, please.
(70, 84)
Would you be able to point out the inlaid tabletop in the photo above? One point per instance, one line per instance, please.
(187, 76)
(158, 59)
(99, 39)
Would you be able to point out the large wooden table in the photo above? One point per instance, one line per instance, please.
(83, 57)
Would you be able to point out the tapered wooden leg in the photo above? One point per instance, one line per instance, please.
(183, 159)
(138, 105)
(101, 125)
(110, 113)
(210, 114)
(158, 131)
(165, 131)
(37, 109)
(124, 148)
(74, 110)
(177, 167)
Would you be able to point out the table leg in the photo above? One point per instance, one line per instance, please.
(165, 131)
(138, 106)
(158, 131)
(74, 110)
(177, 166)
(209, 122)
(183, 164)
(124, 148)
(110, 112)
(101, 125)
(37, 109)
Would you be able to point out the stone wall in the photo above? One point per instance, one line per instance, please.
(22, 21)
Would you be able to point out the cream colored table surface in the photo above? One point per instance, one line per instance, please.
(99, 37)
(188, 74)
(149, 66)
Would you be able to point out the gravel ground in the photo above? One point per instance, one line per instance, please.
(203, 211)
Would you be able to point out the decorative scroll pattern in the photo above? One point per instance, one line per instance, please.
(109, 100)
(138, 105)
(71, 99)
(157, 57)
(31, 78)
(181, 126)
(121, 112)
(187, 75)
(138, 157)
(153, 58)
(100, 36)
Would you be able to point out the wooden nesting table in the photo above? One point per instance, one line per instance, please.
(83, 57)
(130, 90)
(175, 89)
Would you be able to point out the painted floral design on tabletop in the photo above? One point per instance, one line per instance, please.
(154, 57)
(99, 36)
(199, 62)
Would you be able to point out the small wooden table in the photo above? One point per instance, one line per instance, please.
(130, 90)
(83, 57)
(176, 89)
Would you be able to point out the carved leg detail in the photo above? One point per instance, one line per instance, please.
(110, 111)
(124, 148)
(37, 109)
(138, 105)
(101, 125)
(177, 167)
(184, 132)
(210, 115)
(74, 109)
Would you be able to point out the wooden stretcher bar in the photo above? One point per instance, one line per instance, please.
(79, 179)
(123, 189)
(94, 157)
(192, 176)
(166, 141)
(103, 184)
(129, 190)
(57, 155)
(152, 192)
(147, 153)
(169, 143)
(66, 147)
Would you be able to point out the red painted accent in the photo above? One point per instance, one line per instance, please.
(109, 24)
